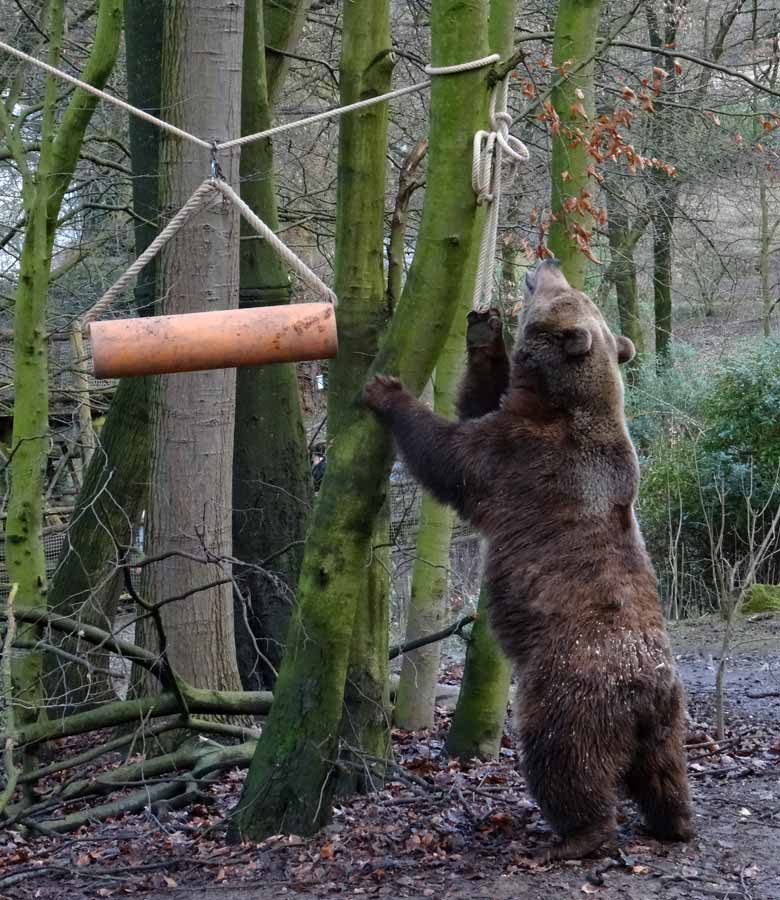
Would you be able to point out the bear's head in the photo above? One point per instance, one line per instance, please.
(565, 351)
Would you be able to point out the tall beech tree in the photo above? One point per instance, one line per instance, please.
(193, 413)
(291, 779)
(104, 517)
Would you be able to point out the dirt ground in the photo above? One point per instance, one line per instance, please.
(446, 831)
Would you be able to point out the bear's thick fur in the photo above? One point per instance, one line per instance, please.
(550, 476)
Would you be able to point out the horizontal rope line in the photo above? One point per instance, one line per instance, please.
(260, 135)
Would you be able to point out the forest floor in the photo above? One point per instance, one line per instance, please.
(448, 831)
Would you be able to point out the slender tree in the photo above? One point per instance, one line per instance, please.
(271, 476)
(478, 721)
(365, 70)
(573, 99)
(43, 190)
(86, 583)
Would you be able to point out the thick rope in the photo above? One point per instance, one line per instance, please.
(318, 117)
(486, 175)
(260, 135)
(109, 98)
(190, 208)
(294, 262)
(463, 67)
(489, 150)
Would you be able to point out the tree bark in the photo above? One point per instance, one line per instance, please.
(114, 489)
(576, 29)
(193, 413)
(365, 71)
(42, 196)
(478, 722)
(284, 21)
(663, 225)
(416, 699)
(271, 475)
(290, 782)
(622, 273)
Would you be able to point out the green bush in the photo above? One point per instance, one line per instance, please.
(708, 437)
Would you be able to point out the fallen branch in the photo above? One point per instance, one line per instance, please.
(761, 695)
(207, 761)
(449, 631)
(199, 700)
(96, 636)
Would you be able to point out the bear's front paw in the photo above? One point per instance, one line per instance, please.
(484, 331)
(383, 393)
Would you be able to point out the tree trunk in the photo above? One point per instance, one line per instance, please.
(478, 720)
(763, 251)
(416, 699)
(271, 473)
(193, 413)
(42, 195)
(290, 782)
(663, 219)
(622, 273)
(366, 70)
(284, 21)
(86, 583)
(576, 29)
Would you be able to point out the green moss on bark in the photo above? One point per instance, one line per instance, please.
(576, 29)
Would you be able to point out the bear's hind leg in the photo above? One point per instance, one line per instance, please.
(581, 842)
(577, 802)
(658, 782)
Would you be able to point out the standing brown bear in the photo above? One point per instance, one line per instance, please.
(546, 470)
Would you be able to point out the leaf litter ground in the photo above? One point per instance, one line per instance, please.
(445, 830)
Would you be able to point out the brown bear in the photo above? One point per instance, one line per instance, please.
(546, 470)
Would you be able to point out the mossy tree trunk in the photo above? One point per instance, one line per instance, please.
(365, 71)
(576, 29)
(478, 721)
(416, 698)
(291, 780)
(42, 195)
(87, 582)
(271, 474)
(192, 414)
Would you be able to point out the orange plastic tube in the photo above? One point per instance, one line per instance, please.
(213, 340)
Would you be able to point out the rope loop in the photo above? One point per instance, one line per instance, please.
(490, 148)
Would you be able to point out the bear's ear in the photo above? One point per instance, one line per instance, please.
(473, 316)
(577, 341)
(626, 349)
